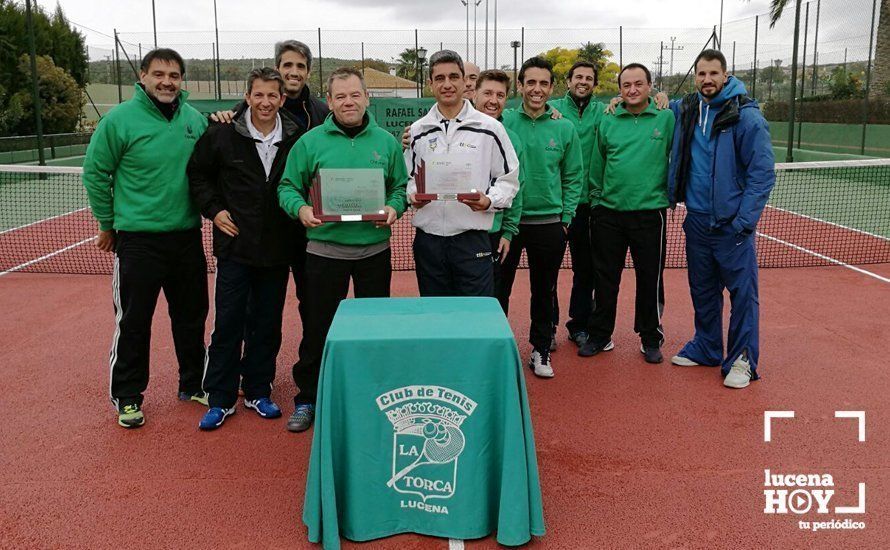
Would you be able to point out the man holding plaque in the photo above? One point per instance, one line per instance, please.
(345, 182)
(463, 170)
(233, 176)
(550, 195)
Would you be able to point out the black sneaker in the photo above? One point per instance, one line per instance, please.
(652, 354)
(579, 338)
(590, 349)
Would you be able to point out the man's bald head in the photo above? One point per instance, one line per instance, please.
(471, 71)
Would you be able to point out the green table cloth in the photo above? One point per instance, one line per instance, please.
(422, 425)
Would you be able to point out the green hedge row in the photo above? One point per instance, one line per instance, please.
(845, 111)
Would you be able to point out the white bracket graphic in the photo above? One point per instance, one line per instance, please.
(767, 419)
(860, 509)
(860, 416)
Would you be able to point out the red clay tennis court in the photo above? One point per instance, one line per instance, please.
(630, 454)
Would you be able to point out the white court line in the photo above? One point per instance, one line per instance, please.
(46, 257)
(455, 544)
(824, 257)
(34, 162)
(816, 254)
(840, 226)
(43, 220)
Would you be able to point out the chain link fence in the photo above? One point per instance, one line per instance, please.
(836, 62)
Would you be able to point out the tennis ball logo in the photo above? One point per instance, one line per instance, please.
(428, 442)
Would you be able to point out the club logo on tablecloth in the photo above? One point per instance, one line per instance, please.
(427, 442)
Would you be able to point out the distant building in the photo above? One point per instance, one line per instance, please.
(381, 84)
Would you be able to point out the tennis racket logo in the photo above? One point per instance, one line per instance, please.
(427, 439)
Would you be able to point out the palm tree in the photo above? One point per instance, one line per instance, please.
(406, 64)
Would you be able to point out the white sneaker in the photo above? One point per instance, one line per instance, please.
(540, 363)
(681, 361)
(739, 375)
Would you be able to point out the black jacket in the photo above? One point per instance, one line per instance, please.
(307, 111)
(225, 173)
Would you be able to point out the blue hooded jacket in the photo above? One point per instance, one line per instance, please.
(722, 158)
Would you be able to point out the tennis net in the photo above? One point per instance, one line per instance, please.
(820, 213)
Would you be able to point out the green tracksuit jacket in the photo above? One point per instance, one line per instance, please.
(327, 146)
(586, 124)
(632, 154)
(134, 171)
(552, 150)
(508, 220)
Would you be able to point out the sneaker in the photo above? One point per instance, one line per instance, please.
(652, 354)
(201, 397)
(214, 418)
(553, 341)
(264, 407)
(590, 349)
(130, 416)
(681, 361)
(302, 418)
(739, 374)
(579, 338)
(540, 363)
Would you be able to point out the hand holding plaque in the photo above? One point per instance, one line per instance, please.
(348, 195)
(445, 177)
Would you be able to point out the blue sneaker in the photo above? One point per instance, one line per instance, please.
(264, 407)
(302, 418)
(215, 417)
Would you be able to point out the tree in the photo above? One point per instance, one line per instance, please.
(54, 38)
(844, 85)
(61, 98)
(406, 64)
(594, 53)
(563, 59)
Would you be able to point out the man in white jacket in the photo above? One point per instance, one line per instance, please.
(452, 251)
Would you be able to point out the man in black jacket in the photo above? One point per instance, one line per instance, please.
(293, 59)
(233, 177)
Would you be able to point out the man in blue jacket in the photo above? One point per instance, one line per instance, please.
(722, 167)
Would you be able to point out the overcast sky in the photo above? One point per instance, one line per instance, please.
(242, 15)
(248, 28)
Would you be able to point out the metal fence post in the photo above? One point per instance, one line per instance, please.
(320, 70)
(816, 49)
(35, 89)
(803, 73)
(789, 155)
(620, 47)
(754, 82)
(117, 70)
(871, 43)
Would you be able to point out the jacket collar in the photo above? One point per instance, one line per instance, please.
(546, 114)
(330, 126)
(141, 97)
(649, 110)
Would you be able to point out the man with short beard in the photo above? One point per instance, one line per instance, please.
(722, 167)
(135, 177)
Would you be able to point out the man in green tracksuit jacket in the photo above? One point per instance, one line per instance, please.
(135, 177)
(628, 193)
(490, 97)
(550, 193)
(579, 108)
(338, 251)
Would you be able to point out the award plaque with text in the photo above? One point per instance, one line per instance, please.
(446, 177)
(348, 195)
